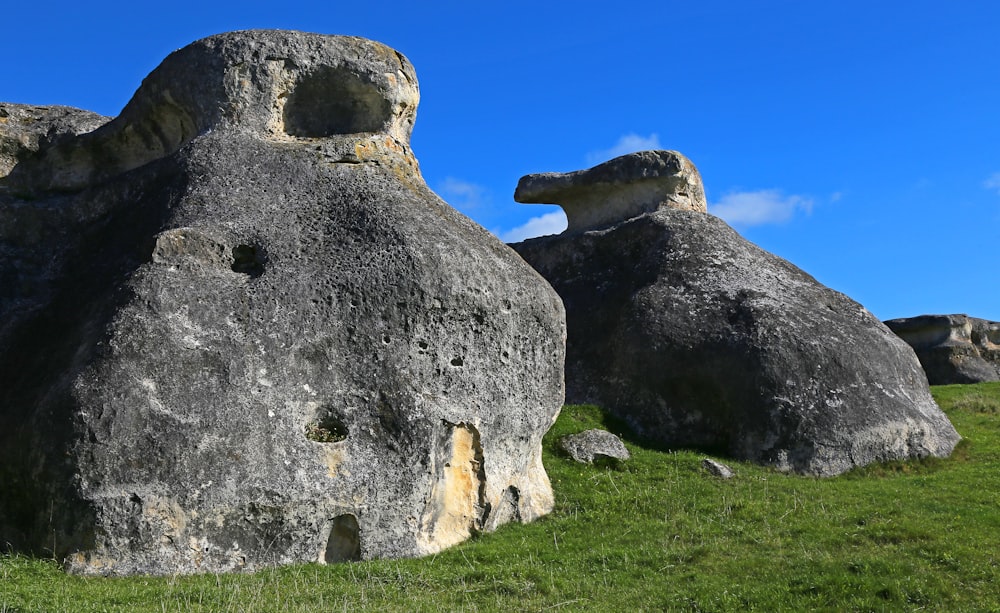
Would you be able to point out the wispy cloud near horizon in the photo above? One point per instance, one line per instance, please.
(549, 223)
(628, 143)
(464, 195)
(993, 182)
(756, 208)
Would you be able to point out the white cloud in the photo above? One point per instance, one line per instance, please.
(463, 195)
(629, 143)
(765, 206)
(549, 223)
(993, 182)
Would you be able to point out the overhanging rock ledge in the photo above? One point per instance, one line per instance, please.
(697, 337)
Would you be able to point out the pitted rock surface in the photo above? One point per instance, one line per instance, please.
(237, 329)
(280, 88)
(617, 190)
(25, 128)
(697, 337)
(953, 348)
(589, 445)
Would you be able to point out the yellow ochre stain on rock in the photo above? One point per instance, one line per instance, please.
(453, 509)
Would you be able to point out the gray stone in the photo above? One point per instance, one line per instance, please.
(717, 469)
(25, 128)
(589, 445)
(237, 328)
(953, 348)
(617, 190)
(697, 337)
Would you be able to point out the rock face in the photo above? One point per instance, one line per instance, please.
(237, 328)
(24, 129)
(953, 348)
(699, 338)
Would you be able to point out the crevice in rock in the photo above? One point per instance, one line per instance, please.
(344, 542)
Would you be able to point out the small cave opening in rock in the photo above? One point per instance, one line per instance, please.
(248, 260)
(334, 100)
(344, 543)
(326, 429)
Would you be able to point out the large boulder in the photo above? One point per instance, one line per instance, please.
(699, 338)
(953, 348)
(238, 329)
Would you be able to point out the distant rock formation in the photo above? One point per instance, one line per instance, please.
(699, 338)
(953, 348)
(238, 329)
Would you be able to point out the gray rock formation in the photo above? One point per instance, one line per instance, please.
(24, 129)
(237, 328)
(697, 337)
(589, 445)
(717, 469)
(619, 189)
(953, 348)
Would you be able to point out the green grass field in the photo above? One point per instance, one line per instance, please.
(654, 533)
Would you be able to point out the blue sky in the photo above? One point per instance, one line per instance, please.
(859, 140)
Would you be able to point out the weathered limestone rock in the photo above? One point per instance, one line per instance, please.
(238, 329)
(953, 348)
(699, 338)
(617, 190)
(24, 129)
(587, 446)
(717, 469)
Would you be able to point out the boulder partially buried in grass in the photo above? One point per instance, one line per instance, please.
(237, 328)
(697, 337)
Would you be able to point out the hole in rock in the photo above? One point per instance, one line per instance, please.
(457, 362)
(248, 260)
(344, 544)
(334, 100)
(326, 429)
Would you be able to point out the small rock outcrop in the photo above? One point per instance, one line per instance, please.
(717, 469)
(697, 337)
(953, 348)
(237, 329)
(589, 445)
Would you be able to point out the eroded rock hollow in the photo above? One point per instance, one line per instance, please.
(238, 329)
(697, 337)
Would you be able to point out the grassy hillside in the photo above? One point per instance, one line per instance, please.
(654, 533)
